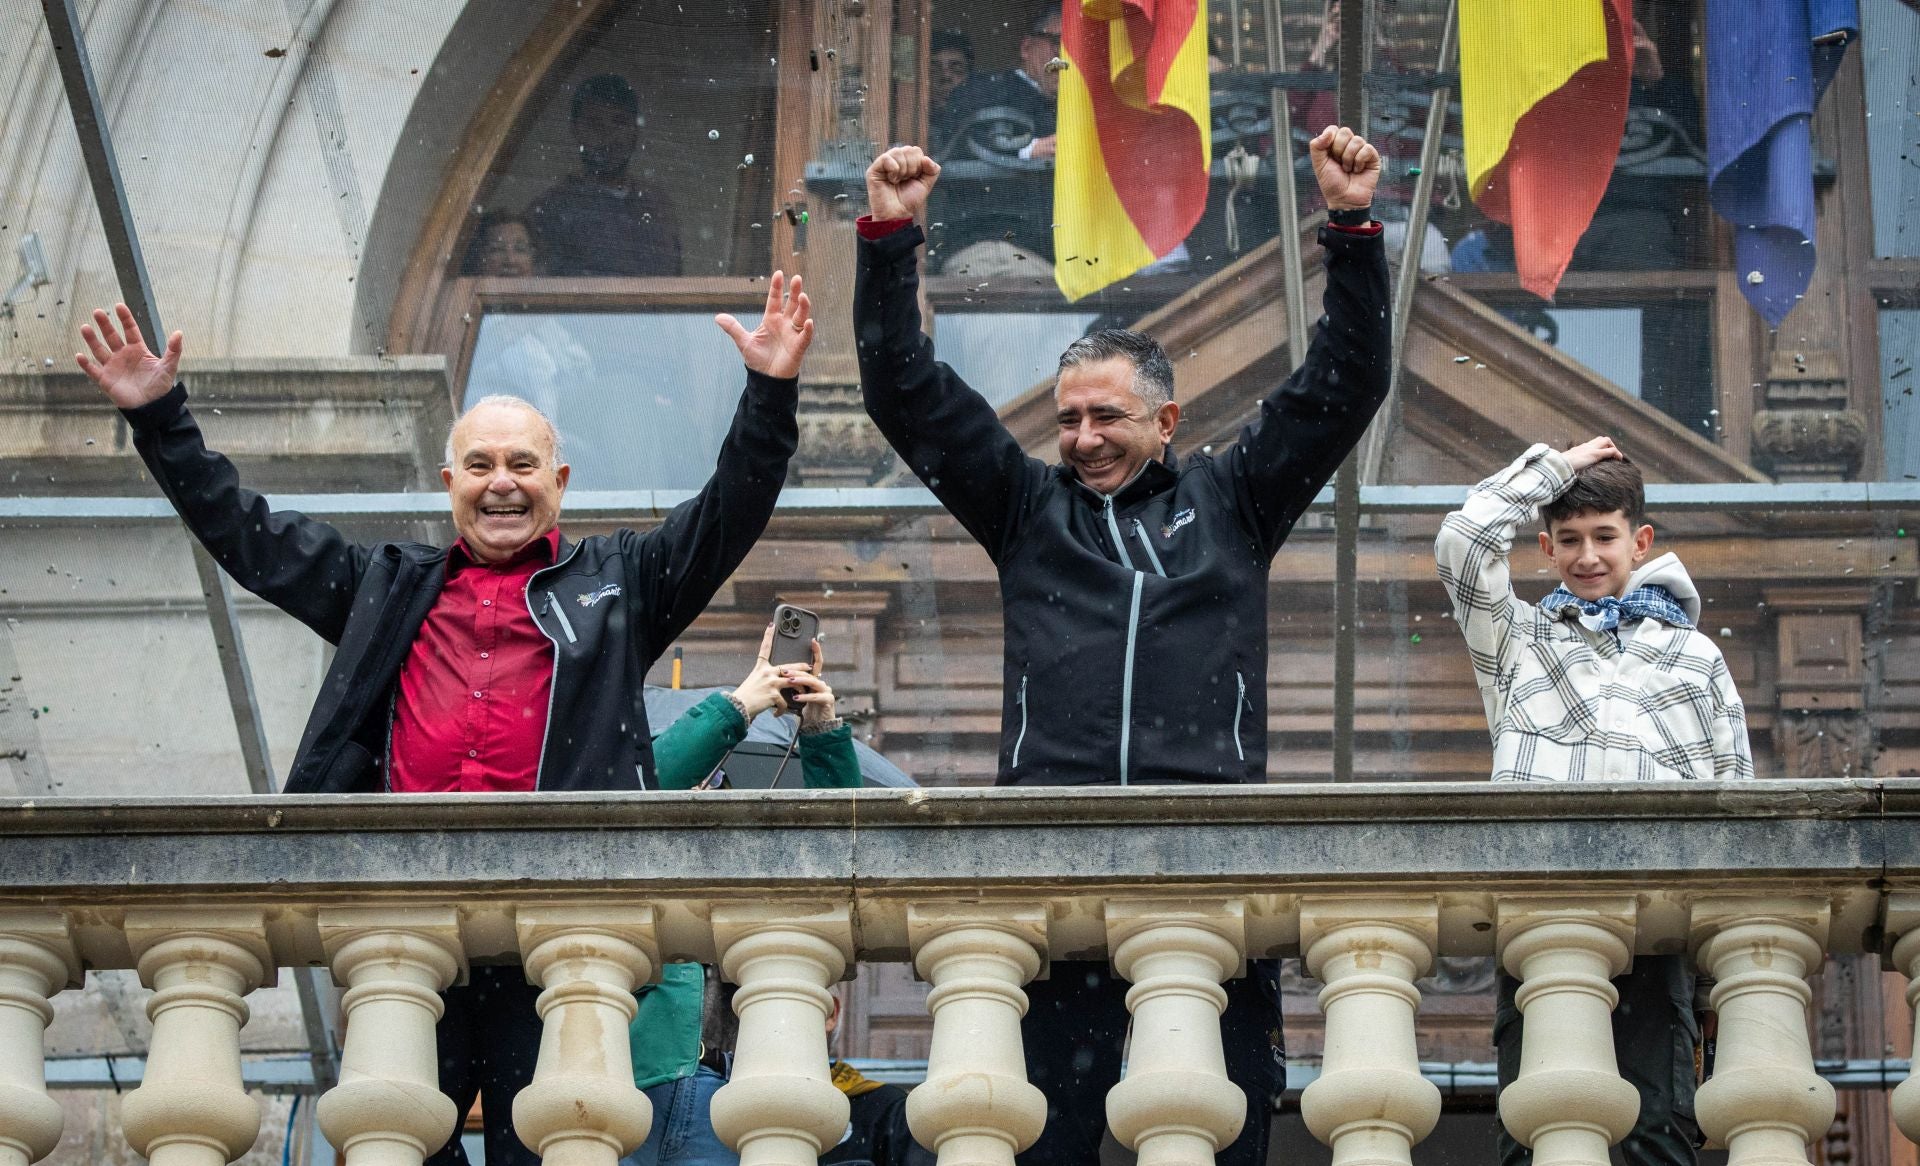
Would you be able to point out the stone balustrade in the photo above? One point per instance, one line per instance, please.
(979, 890)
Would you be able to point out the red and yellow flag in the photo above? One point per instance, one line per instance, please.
(1130, 175)
(1543, 94)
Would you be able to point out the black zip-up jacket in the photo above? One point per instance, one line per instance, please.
(369, 601)
(1136, 624)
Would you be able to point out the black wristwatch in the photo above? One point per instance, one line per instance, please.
(1355, 217)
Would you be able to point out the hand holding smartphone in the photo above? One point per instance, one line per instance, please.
(794, 630)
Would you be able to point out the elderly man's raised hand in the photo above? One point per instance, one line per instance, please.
(778, 345)
(899, 182)
(1347, 166)
(121, 363)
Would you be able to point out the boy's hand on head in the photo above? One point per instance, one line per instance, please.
(1599, 449)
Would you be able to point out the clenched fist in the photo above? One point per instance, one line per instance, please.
(1347, 166)
(899, 182)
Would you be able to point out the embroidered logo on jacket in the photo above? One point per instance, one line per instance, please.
(1179, 520)
(589, 598)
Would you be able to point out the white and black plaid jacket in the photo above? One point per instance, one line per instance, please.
(1566, 703)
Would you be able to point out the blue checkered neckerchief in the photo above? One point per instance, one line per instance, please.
(1650, 602)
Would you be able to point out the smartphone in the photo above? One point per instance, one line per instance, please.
(794, 630)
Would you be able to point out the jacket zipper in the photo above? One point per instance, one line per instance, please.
(1119, 544)
(540, 767)
(1239, 706)
(1126, 676)
(1021, 739)
(1153, 557)
(560, 613)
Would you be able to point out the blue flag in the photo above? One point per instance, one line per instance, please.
(1765, 73)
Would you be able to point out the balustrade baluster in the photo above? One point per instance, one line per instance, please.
(387, 1109)
(582, 1108)
(192, 1109)
(1764, 1102)
(36, 960)
(977, 1107)
(1175, 1106)
(1370, 1103)
(1903, 927)
(1569, 1102)
(779, 1107)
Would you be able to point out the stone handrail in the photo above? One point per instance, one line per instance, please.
(398, 896)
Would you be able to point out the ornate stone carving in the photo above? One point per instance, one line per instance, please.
(1817, 744)
(839, 445)
(1809, 444)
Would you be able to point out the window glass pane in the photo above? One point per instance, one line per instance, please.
(642, 400)
(1003, 354)
(1890, 33)
(647, 152)
(1899, 353)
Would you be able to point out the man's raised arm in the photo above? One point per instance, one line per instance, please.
(302, 566)
(679, 565)
(946, 433)
(1308, 424)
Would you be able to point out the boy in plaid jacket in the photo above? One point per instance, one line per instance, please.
(1606, 679)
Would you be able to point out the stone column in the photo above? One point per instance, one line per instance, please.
(1370, 1103)
(1903, 930)
(582, 1108)
(36, 960)
(1569, 1102)
(1764, 1102)
(387, 1109)
(977, 1107)
(192, 1110)
(780, 1108)
(1175, 1106)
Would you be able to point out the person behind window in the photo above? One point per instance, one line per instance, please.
(604, 220)
(1030, 90)
(532, 356)
(509, 661)
(502, 245)
(949, 66)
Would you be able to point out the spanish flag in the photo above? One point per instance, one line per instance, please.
(1543, 93)
(1130, 174)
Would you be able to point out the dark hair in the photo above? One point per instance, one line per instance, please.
(483, 230)
(950, 38)
(1152, 371)
(608, 88)
(1601, 488)
(1038, 25)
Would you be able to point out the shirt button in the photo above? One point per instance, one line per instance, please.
(483, 655)
(476, 696)
(486, 603)
(473, 753)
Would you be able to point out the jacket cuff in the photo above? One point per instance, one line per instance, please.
(872, 228)
(781, 389)
(1351, 238)
(1542, 462)
(159, 412)
(895, 246)
(727, 713)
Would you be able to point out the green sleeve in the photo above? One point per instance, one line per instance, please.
(665, 1034)
(695, 743)
(827, 760)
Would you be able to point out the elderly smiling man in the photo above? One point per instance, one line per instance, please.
(512, 660)
(1133, 582)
